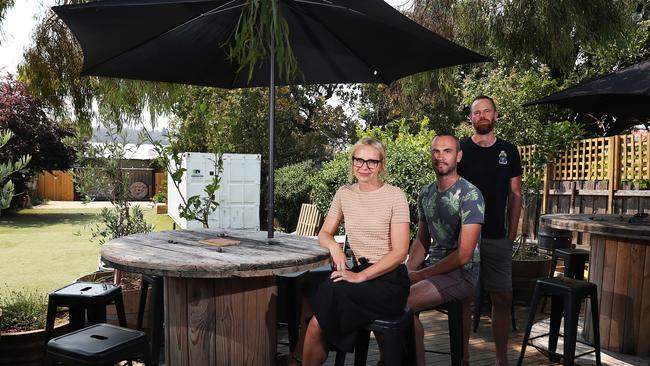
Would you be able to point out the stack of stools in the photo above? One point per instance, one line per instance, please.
(567, 295)
(574, 264)
(99, 344)
(399, 341)
(85, 300)
(156, 312)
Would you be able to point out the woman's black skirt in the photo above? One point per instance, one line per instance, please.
(342, 308)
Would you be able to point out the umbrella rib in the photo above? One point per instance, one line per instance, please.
(328, 5)
(370, 66)
(216, 10)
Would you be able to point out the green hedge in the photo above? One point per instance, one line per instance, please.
(291, 191)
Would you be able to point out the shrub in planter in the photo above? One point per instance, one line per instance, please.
(22, 325)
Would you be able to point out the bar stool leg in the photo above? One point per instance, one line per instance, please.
(409, 338)
(156, 319)
(529, 324)
(392, 347)
(455, 324)
(49, 322)
(361, 348)
(595, 321)
(144, 289)
(572, 310)
(119, 309)
(557, 310)
(551, 275)
(77, 316)
(478, 301)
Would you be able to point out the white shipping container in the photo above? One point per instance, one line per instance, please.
(238, 195)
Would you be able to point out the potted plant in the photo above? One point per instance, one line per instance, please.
(22, 326)
(528, 264)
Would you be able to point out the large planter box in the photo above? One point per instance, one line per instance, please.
(26, 348)
(525, 274)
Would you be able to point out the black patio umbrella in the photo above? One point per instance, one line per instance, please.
(622, 93)
(187, 41)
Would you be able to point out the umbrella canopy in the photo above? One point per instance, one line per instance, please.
(623, 93)
(187, 41)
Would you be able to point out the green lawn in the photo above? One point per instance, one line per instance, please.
(45, 249)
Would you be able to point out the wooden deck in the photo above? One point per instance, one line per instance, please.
(482, 346)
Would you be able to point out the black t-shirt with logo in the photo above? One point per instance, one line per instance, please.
(490, 170)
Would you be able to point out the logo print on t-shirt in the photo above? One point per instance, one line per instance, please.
(503, 158)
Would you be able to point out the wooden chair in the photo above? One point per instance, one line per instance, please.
(308, 220)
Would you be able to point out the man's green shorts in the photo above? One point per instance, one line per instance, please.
(496, 264)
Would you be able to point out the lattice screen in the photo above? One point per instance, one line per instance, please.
(635, 156)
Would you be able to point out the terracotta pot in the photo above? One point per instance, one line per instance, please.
(131, 299)
(525, 274)
(26, 348)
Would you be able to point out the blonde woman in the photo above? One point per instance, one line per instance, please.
(376, 218)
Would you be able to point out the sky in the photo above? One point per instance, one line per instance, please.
(20, 20)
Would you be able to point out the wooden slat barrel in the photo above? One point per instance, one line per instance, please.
(619, 264)
(219, 300)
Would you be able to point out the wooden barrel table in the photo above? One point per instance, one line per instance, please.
(219, 288)
(619, 264)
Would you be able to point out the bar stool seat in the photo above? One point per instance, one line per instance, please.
(99, 344)
(567, 295)
(86, 302)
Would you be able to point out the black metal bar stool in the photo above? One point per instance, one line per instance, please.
(85, 300)
(99, 344)
(567, 295)
(156, 312)
(399, 341)
(574, 264)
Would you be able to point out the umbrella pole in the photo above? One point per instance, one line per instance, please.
(270, 214)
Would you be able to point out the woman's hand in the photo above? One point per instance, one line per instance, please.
(339, 260)
(348, 276)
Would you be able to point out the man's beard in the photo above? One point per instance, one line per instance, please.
(483, 129)
(445, 171)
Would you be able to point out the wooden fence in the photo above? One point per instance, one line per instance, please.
(58, 185)
(55, 185)
(599, 175)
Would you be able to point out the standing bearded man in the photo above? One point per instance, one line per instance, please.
(493, 165)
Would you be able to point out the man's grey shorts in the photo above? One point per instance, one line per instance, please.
(455, 285)
(496, 264)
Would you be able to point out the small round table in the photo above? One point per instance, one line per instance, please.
(619, 264)
(219, 300)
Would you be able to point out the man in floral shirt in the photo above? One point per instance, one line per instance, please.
(451, 213)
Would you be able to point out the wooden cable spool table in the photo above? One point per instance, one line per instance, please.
(220, 294)
(619, 264)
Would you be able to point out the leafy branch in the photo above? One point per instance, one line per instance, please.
(198, 207)
(261, 22)
(7, 190)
